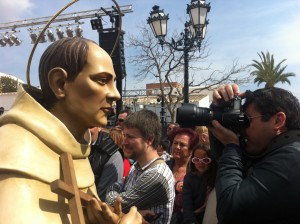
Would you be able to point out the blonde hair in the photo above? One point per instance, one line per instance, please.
(202, 132)
(201, 129)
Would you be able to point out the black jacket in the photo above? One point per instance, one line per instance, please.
(194, 195)
(101, 151)
(106, 162)
(268, 191)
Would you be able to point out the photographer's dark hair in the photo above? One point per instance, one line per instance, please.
(270, 101)
(147, 122)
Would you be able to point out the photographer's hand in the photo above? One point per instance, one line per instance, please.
(224, 135)
(226, 92)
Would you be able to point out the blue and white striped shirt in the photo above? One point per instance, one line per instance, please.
(147, 188)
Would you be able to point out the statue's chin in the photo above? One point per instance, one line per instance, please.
(102, 122)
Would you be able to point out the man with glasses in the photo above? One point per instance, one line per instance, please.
(171, 127)
(122, 116)
(260, 182)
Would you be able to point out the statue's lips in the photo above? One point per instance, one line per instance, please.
(106, 109)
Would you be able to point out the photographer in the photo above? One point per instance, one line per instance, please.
(259, 181)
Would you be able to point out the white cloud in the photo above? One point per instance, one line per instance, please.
(14, 9)
(288, 38)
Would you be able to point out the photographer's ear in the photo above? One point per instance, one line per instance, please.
(57, 78)
(280, 122)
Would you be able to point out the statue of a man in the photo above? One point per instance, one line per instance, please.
(77, 91)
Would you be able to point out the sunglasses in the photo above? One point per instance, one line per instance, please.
(248, 119)
(205, 160)
(120, 120)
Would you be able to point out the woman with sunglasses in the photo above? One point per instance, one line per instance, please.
(198, 183)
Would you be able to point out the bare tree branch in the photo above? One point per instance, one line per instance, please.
(167, 66)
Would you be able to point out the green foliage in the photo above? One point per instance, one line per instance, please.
(266, 71)
(8, 84)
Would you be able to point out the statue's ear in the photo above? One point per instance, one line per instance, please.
(57, 78)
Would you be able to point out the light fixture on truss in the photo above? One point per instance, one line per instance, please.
(15, 39)
(59, 33)
(43, 38)
(78, 31)
(32, 35)
(8, 40)
(69, 31)
(2, 43)
(51, 36)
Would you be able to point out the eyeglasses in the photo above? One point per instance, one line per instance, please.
(205, 160)
(250, 118)
(120, 120)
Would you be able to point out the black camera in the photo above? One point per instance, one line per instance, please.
(229, 114)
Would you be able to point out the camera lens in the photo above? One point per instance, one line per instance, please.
(189, 115)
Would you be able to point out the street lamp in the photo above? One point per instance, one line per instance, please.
(158, 22)
(194, 33)
(161, 99)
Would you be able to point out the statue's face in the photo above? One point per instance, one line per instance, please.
(90, 96)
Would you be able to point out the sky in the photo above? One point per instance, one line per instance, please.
(237, 30)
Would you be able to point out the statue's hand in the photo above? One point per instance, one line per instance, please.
(132, 217)
(99, 213)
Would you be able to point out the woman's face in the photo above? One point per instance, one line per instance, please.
(201, 167)
(181, 147)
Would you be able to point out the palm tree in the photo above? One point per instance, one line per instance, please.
(267, 72)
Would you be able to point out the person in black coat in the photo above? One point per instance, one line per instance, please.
(259, 181)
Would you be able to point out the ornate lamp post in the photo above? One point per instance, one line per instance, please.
(194, 33)
(161, 99)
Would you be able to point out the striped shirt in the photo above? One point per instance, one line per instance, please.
(147, 188)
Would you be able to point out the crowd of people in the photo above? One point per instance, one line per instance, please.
(176, 192)
(130, 173)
